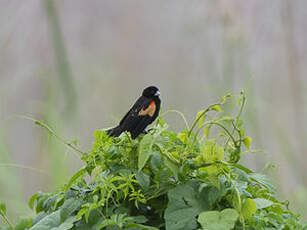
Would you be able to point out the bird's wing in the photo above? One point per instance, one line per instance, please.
(134, 113)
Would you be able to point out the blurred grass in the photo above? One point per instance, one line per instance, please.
(10, 183)
(59, 108)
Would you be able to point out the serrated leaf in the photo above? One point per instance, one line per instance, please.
(263, 203)
(247, 142)
(215, 220)
(145, 150)
(216, 108)
(249, 208)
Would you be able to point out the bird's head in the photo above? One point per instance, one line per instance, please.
(151, 92)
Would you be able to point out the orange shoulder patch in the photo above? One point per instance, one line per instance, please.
(150, 110)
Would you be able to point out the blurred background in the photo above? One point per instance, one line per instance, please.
(79, 66)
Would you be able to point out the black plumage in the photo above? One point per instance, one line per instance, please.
(143, 113)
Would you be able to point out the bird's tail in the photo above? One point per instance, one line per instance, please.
(115, 132)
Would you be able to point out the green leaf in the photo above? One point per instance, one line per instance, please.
(23, 223)
(53, 222)
(171, 165)
(201, 118)
(247, 142)
(48, 222)
(78, 174)
(264, 181)
(143, 180)
(215, 220)
(145, 150)
(263, 203)
(2, 207)
(216, 108)
(207, 130)
(243, 168)
(67, 224)
(249, 208)
(32, 200)
(183, 136)
(69, 207)
(212, 152)
(184, 204)
(226, 119)
(224, 98)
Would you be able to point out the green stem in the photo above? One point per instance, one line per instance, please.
(56, 136)
(6, 220)
(180, 113)
(237, 119)
(45, 126)
(238, 197)
(22, 167)
(220, 125)
(201, 115)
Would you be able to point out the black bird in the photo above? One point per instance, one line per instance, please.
(143, 113)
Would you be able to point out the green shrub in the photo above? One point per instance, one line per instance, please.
(165, 180)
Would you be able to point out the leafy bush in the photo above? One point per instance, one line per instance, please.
(165, 180)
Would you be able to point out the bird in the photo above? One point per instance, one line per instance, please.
(144, 111)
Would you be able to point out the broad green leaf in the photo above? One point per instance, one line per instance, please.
(215, 220)
(184, 204)
(264, 181)
(143, 180)
(216, 108)
(201, 118)
(51, 221)
(69, 207)
(171, 165)
(263, 203)
(211, 170)
(67, 224)
(247, 142)
(134, 226)
(249, 208)
(145, 150)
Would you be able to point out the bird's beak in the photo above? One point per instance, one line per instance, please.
(157, 93)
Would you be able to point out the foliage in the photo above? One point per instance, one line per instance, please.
(165, 180)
